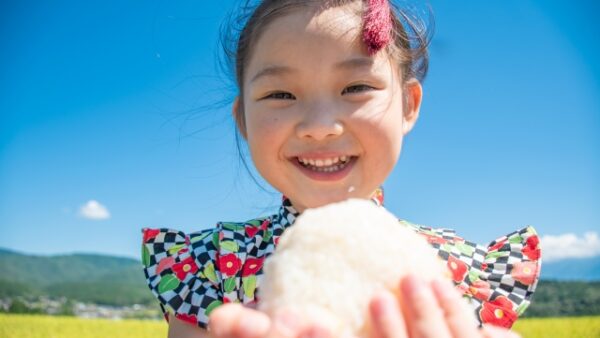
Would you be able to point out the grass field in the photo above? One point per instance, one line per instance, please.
(26, 326)
(559, 327)
(33, 326)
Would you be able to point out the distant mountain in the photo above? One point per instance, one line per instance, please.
(86, 277)
(565, 298)
(112, 280)
(583, 269)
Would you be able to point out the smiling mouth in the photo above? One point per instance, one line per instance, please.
(328, 165)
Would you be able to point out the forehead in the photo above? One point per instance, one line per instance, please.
(341, 21)
(337, 27)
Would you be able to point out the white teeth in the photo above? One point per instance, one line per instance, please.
(327, 164)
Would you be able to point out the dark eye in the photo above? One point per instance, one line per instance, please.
(356, 89)
(280, 96)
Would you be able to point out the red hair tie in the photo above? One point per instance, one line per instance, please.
(377, 31)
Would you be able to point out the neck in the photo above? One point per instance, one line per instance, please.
(376, 196)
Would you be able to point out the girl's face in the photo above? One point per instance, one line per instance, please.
(324, 120)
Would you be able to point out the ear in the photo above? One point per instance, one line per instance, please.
(239, 117)
(414, 94)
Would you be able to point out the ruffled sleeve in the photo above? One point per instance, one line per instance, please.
(498, 279)
(181, 272)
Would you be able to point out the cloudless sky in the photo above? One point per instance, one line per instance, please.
(117, 102)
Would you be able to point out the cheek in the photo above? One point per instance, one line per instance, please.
(262, 128)
(261, 114)
(382, 139)
(266, 135)
(385, 147)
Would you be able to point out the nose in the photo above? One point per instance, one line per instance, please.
(320, 121)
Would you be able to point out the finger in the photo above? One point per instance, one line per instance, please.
(490, 331)
(423, 315)
(234, 320)
(285, 324)
(314, 332)
(459, 317)
(387, 317)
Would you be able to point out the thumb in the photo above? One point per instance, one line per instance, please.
(285, 324)
(234, 320)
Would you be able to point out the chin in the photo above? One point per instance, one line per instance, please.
(320, 198)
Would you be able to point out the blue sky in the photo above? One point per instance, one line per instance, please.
(118, 104)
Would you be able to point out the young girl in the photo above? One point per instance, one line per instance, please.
(327, 90)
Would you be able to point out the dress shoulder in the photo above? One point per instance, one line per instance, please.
(192, 274)
(499, 278)
(181, 272)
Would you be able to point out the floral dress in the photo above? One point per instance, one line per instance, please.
(192, 274)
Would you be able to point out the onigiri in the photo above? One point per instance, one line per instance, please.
(333, 260)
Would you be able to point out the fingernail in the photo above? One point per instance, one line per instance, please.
(382, 303)
(254, 323)
(315, 332)
(285, 323)
(413, 285)
(443, 289)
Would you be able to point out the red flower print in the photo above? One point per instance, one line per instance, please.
(150, 234)
(498, 312)
(265, 224)
(251, 230)
(433, 239)
(378, 196)
(458, 268)
(480, 289)
(524, 272)
(184, 267)
(459, 239)
(229, 264)
(462, 288)
(497, 246)
(532, 248)
(251, 266)
(165, 263)
(276, 240)
(192, 319)
(226, 300)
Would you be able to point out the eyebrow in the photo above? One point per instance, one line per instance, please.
(272, 71)
(359, 62)
(350, 64)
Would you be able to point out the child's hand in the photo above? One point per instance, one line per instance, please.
(235, 320)
(427, 310)
(424, 311)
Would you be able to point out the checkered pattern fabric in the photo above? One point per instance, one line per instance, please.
(192, 274)
(498, 279)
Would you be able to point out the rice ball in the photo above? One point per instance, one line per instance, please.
(333, 260)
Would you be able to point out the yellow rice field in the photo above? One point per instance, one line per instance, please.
(34, 326)
(561, 327)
